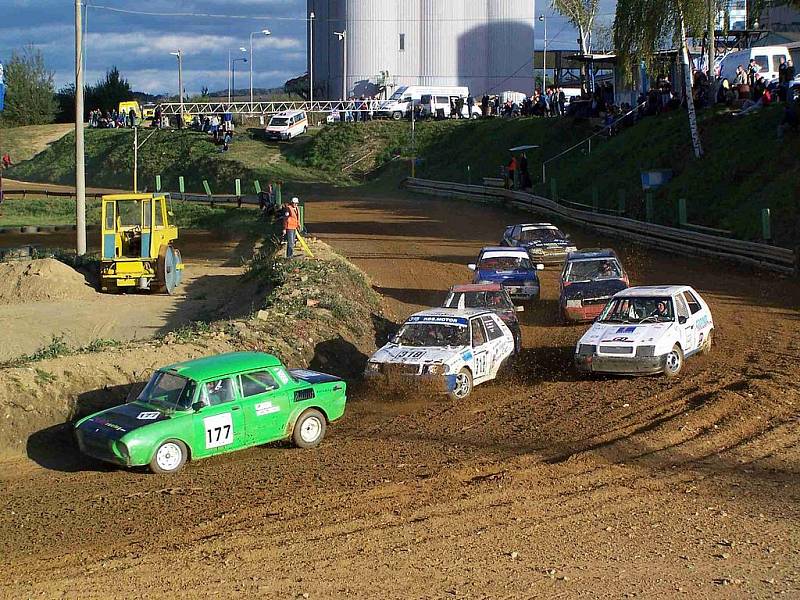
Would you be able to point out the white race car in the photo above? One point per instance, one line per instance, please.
(454, 349)
(645, 330)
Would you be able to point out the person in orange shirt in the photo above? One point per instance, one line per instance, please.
(291, 223)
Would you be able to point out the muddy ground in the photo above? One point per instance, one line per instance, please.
(539, 485)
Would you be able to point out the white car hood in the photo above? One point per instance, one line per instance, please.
(392, 353)
(604, 333)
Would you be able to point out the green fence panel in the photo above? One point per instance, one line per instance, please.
(257, 186)
(553, 189)
(682, 218)
(595, 199)
(648, 207)
(181, 185)
(158, 183)
(766, 224)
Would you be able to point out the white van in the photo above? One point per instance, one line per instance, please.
(430, 104)
(399, 104)
(287, 125)
(767, 57)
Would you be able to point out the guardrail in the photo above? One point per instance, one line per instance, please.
(680, 241)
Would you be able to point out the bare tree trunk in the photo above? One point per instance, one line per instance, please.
(712, 80)
(687, 83)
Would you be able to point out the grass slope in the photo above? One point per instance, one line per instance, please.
(23, 143)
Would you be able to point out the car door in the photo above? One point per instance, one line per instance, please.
(480, 349)
(686, 325)
(265, 405)
(219, 426)
(698, 317)
(499, 346)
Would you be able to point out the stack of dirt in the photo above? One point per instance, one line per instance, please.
(42, 279)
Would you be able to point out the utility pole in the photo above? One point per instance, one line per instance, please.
(80, 173)
(179, 55)
(311, 59)
(135, 159)
(342, 35)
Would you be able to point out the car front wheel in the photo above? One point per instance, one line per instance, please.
(309, 429)
(674, 362)
(169, 457)
(463, 386)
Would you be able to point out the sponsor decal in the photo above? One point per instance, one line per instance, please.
(702, 322)
(626, 329)
(114, 426)
(467, 355)
(410, 354)
(219, 430)
(439, 320)
(266, 408)
(148, 415)
(283, 377)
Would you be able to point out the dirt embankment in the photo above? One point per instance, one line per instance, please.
(318, 312)
(43, 279)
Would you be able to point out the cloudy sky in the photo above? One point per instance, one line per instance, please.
(139, 45)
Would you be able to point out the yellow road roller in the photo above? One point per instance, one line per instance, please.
(138, 250)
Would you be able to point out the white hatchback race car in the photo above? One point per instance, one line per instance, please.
(452, 349)
(646, 330)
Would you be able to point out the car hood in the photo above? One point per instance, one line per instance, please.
(120, 420)
(546, 245)
(648, 333)
(508, 277)
(394, 354)
(601, 288)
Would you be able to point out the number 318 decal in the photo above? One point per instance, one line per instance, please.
(219, 430)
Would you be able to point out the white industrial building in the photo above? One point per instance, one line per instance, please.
(486, 45)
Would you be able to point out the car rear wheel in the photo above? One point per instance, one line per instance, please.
(309, 429)
(463, 386)
(169, 457)
(397, 115)
(674, 362)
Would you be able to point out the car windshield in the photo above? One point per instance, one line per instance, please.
(590, 270)
(129, 213)
(398, 93)
(492, 300)
(540, 235)
(504, 263)
(650, 309)
(168, 391)
(432, 334)
(279, 122)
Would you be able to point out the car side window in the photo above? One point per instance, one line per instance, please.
(693, 302)
(257, 382)
(517, 232)
(478, 334)
(683, 311)
(218, 392)
(493, 330)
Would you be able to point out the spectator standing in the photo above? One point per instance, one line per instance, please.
(783, 79)
(6, 161)
(291, 223)
(752, 70)
(485, 105)
(524, 175)
(132, 117)
(470, 105)
(512, 170)
(562, 101)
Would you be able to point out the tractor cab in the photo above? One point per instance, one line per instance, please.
(137, 243)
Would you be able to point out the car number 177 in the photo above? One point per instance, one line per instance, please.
(219, 430)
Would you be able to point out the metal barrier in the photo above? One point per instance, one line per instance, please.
(675, 240)
(269, 108)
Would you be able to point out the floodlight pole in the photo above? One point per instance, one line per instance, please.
(265, 32)
(80, 173)
(311, 59)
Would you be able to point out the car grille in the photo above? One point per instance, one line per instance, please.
(595, 301)
(306, 394)
(616, 349)
(401, 369)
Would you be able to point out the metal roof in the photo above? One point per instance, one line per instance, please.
(476, 287)
(652, 291)
(451, 312)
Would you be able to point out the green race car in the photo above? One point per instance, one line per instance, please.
(214, 405)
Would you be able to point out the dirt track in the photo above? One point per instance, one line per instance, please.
(541, 485)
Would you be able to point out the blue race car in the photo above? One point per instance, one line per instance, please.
(511, 267)
(544, 242)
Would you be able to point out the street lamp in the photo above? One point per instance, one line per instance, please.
(179, 56)
(342, 35)
(311, 58)
(543, 18)
(230, 64)
(264, 32)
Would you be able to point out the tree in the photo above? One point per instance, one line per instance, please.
(107, 93)
(29, 89)
(581, 13)
(642, 27)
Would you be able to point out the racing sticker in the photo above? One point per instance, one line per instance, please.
(626, 329)
(440, 320)
(410, 354)
(219, 430)
(148, 415)
(266, 408)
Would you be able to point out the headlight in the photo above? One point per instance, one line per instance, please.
(574, 304)
(437, 369)
(373, 367)
(537, 251)
(529, 284)
(586, 349)
(645, 351)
